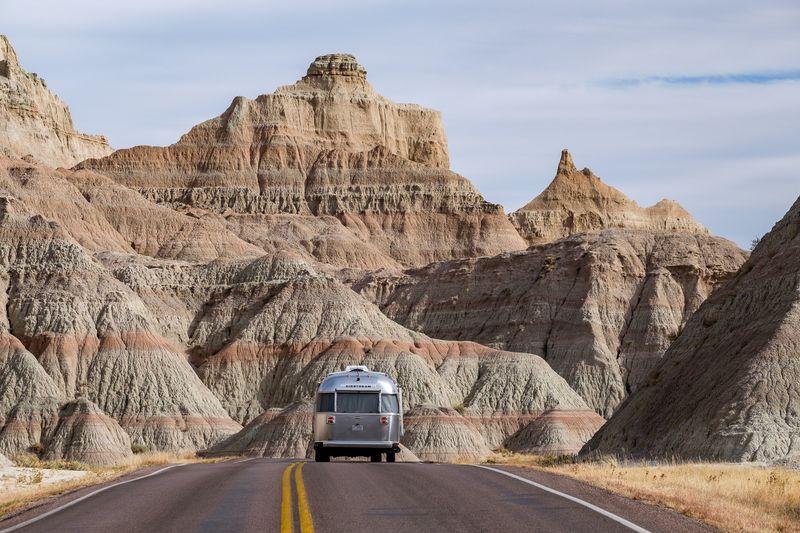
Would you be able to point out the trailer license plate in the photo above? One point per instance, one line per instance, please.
(358, 427)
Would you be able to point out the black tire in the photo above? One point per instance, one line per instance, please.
(390, 457)
(321, 456)
(375, 458)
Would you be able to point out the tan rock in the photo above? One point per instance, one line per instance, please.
(727, 387)
(34, 121)
(579, 202)
(91, 333)
(440, 434)
(328, 145)
(556, 432)
(86, 435)
(274, 433)
(600, 308)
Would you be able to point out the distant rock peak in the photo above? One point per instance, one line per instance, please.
(565, 165)
(578, 202)
(342, 65)
(8, 58)
(35, 122)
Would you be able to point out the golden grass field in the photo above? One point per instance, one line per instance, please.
(730, 497)
(13, 499)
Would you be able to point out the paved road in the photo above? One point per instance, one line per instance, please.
(269, 495)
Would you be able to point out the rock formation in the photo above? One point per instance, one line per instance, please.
(69, 325)
(274, 433)
(555, 433)
(362, 171)
(34, 121)
(442, 435)
(600, 308)
(86, 435)
(579, 202)
(727, 387)
(186, 290)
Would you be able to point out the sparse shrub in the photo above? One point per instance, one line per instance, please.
(460, 408)
(37, 477)
(549, 263)
(28, 460)
(754, 243)
(138, 448)
(36, 448)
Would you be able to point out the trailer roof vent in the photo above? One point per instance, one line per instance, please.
(356, 368)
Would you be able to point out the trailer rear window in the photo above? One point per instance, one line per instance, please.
(357, 402)
(389, 403)
(325, 402)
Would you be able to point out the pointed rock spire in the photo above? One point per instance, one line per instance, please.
(565, 165)
(8, 58)
(578, 201)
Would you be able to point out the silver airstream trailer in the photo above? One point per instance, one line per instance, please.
(358, 413)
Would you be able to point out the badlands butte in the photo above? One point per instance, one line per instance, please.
(192, 296)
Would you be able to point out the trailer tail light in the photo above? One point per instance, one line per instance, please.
(385, 420)
(330, 420)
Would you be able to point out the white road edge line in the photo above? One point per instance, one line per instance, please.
(77, 500)
(594, 508)
(233, 463)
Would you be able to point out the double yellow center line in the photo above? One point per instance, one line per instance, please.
(287, 513)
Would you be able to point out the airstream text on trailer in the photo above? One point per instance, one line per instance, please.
(358, 413)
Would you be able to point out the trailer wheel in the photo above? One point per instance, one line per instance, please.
(390, 457)
(321, 456)
(375, 458)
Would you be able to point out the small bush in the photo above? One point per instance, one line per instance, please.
(138, 448)
(37, 477)
(27, 460)
(36, 448)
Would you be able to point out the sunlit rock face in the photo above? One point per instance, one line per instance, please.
(577, 201)
(35, 122)
(331, 151)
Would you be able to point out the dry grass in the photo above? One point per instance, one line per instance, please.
(16, 498)
(730, 497)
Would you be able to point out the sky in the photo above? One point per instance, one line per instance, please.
(693, 100)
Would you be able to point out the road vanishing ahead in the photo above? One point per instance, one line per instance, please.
(273, 495)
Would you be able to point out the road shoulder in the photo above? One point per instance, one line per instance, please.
(646, 515)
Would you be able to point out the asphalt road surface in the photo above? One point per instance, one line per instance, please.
(271, 495)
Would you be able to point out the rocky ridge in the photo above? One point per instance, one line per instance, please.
(357, 171)
(35, 122)
(189, 289)
(600, 308)
(579, 202)
(726, 390)
(260, 331)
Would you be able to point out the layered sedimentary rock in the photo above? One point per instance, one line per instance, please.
(274, 433)
(600, 308)
(34, 121)
(67, 318)
(727, 387)
(327, 146)
(263, 333)
(86, 435)
(579, 202)
(555, 433)
(442, 435)
(261, 329)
